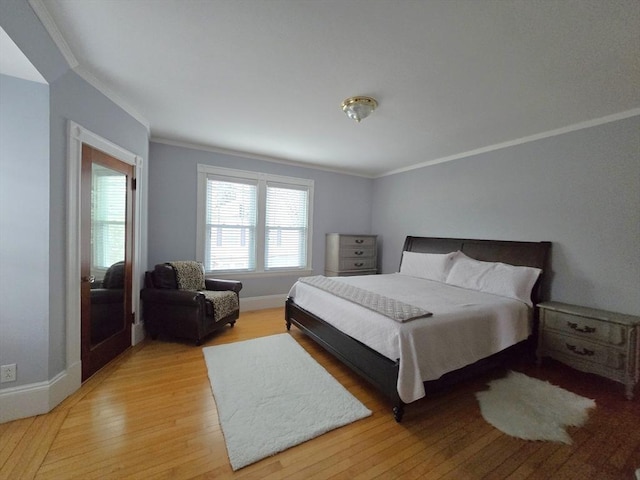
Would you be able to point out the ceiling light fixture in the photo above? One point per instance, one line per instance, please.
(359, 107)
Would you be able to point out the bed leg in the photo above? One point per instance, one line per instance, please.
(398, 412)
(287, 314)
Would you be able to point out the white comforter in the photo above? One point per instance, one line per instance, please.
(466, 325)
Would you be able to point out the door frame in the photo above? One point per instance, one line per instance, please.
(77, 135)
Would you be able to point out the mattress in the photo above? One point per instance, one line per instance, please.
(465, 327)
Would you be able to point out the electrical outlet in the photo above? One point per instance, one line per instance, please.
(8, 373)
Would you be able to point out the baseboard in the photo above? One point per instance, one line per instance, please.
(259, 303)
(137, 333)
(38, 398)
(64, 384)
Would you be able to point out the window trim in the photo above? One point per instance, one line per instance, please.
(262, 179)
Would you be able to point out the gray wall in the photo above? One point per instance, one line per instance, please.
(342, 203)
(580, 190)
(24, 227)
(71, 98)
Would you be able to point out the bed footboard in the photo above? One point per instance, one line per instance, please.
(377, 369)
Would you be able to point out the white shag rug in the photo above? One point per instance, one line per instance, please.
(271, 395)
(532, 409)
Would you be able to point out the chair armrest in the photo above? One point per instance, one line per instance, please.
(174, 297)
(218, 284)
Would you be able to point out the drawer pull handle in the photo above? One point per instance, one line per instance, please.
(575, 327)
(585, 351)
(359, 240)
(359, 252)
(359, 264)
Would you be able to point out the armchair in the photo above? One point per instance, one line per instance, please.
(178, 301)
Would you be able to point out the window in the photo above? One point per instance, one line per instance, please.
(253, 222)
(230, 226)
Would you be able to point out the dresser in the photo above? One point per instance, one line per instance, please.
(347, 254)
(596, 341)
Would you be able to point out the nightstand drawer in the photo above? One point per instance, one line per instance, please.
(584, 351)
(358, 264)
(588, 328)
(356, 252)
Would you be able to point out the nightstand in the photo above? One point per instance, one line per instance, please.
(590, 340)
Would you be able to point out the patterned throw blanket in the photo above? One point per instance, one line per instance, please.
(225, 302)
(190, 276)
(389, 307)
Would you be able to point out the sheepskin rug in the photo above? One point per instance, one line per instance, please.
(532, 409)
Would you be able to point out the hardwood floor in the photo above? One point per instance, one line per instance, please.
(150, 414)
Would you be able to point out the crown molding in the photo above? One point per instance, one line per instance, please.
(253, 156)
(519, 141)
(531, 138)
(45, 17)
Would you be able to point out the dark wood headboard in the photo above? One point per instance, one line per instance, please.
(528, 254)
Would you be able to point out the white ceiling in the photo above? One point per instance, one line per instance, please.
(267, 78)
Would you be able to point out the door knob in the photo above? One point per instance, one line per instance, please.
(90, 279)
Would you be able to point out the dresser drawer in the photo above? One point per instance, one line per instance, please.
(357, 264)
(357, 241)
(587, 328)
(357, 252)
(583, 350)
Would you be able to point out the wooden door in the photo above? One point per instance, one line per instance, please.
(106, 258)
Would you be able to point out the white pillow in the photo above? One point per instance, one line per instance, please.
(432, 266)
(494, 277)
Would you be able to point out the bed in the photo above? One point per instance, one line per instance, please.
(406, 359)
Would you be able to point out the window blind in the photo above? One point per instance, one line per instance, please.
(231, 213)
(286, 227)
